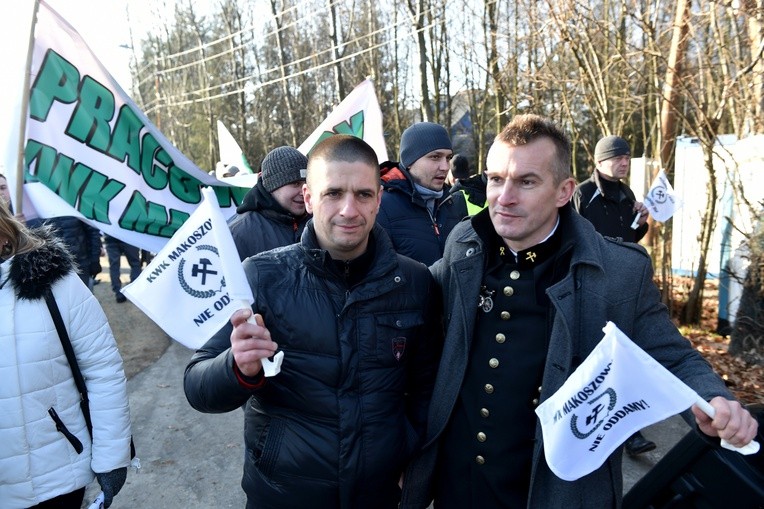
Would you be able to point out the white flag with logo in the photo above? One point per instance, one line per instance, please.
(196, 282)
(358, 114)
(661, 201)
(618, 390)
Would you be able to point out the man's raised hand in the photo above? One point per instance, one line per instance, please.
(250, 342)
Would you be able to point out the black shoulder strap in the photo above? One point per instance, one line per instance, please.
(69, 351)
(79, 380)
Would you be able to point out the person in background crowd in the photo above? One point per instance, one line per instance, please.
(605, 200)
(472, 186)
(418, 212)
(527, 291)
(115, 250)
(47, 457)
(272, 213)
(5, 193)
(610, 205)
(337, 426)
(82, 240)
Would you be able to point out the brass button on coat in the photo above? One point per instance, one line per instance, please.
(484, 412)
(500, 338)
(480, 460)
(481, 436)
(505, 315)
(494, 363)
(514, 275)
(509, 291)
(489, 388)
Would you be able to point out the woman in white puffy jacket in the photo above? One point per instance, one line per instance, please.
(47, 457)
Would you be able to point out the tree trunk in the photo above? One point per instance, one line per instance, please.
(334, 36)
(692, 309)
(282, 68)
(417, 12)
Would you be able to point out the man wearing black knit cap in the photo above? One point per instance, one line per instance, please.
(417, 211)
(605, 200)
(611, 207)
(273, 211)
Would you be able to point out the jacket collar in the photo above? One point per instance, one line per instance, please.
(609, 189)
(382, 262)
(397, 178)
(258, 199)
(32, 274)
(576, 233)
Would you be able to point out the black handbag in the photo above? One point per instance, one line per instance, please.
(79, 380)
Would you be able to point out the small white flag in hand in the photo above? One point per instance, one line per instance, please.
(661, 201)
(618, 390)
(196, 282)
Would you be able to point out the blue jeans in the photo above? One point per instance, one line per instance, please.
(115, 248)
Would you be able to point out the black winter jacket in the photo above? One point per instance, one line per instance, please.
(261, 223)
(609, 206)
(82, 240)
(337, 426)
(404, 215)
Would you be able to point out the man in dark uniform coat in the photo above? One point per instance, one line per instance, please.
(526, 295)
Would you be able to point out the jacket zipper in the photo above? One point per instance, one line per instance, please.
(63, 430)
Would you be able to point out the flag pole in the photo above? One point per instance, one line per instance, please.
(24, 107)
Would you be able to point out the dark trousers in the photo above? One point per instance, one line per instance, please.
(71, 500)
(115, 248)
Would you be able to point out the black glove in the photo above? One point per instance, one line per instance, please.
(111, 483)
(95, 269)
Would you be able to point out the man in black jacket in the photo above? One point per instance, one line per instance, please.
(359, 327)
(273, 211)
(418, 212)
(82, 240)
(605, 200)
(611, 207)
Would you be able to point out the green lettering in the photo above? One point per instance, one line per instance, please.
(354, 128)
(184, 186)
(126, 141)
(153, 174)
(57, 171)
(144, 216)
(91, 117)
(57, 80)
(227, 196)
(44, 155)
(98, 193)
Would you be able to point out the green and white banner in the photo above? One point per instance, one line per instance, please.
(91, 152)
(358, 114)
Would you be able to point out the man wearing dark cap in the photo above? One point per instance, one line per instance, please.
(418, 212)
(273, 212)
(611, 207)
(605, 200)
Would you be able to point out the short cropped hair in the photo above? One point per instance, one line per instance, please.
(524, 129)
(346, 148)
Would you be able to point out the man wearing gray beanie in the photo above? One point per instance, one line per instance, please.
(417, 210)
(605, 200)
(610, 205)
(272, 213)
